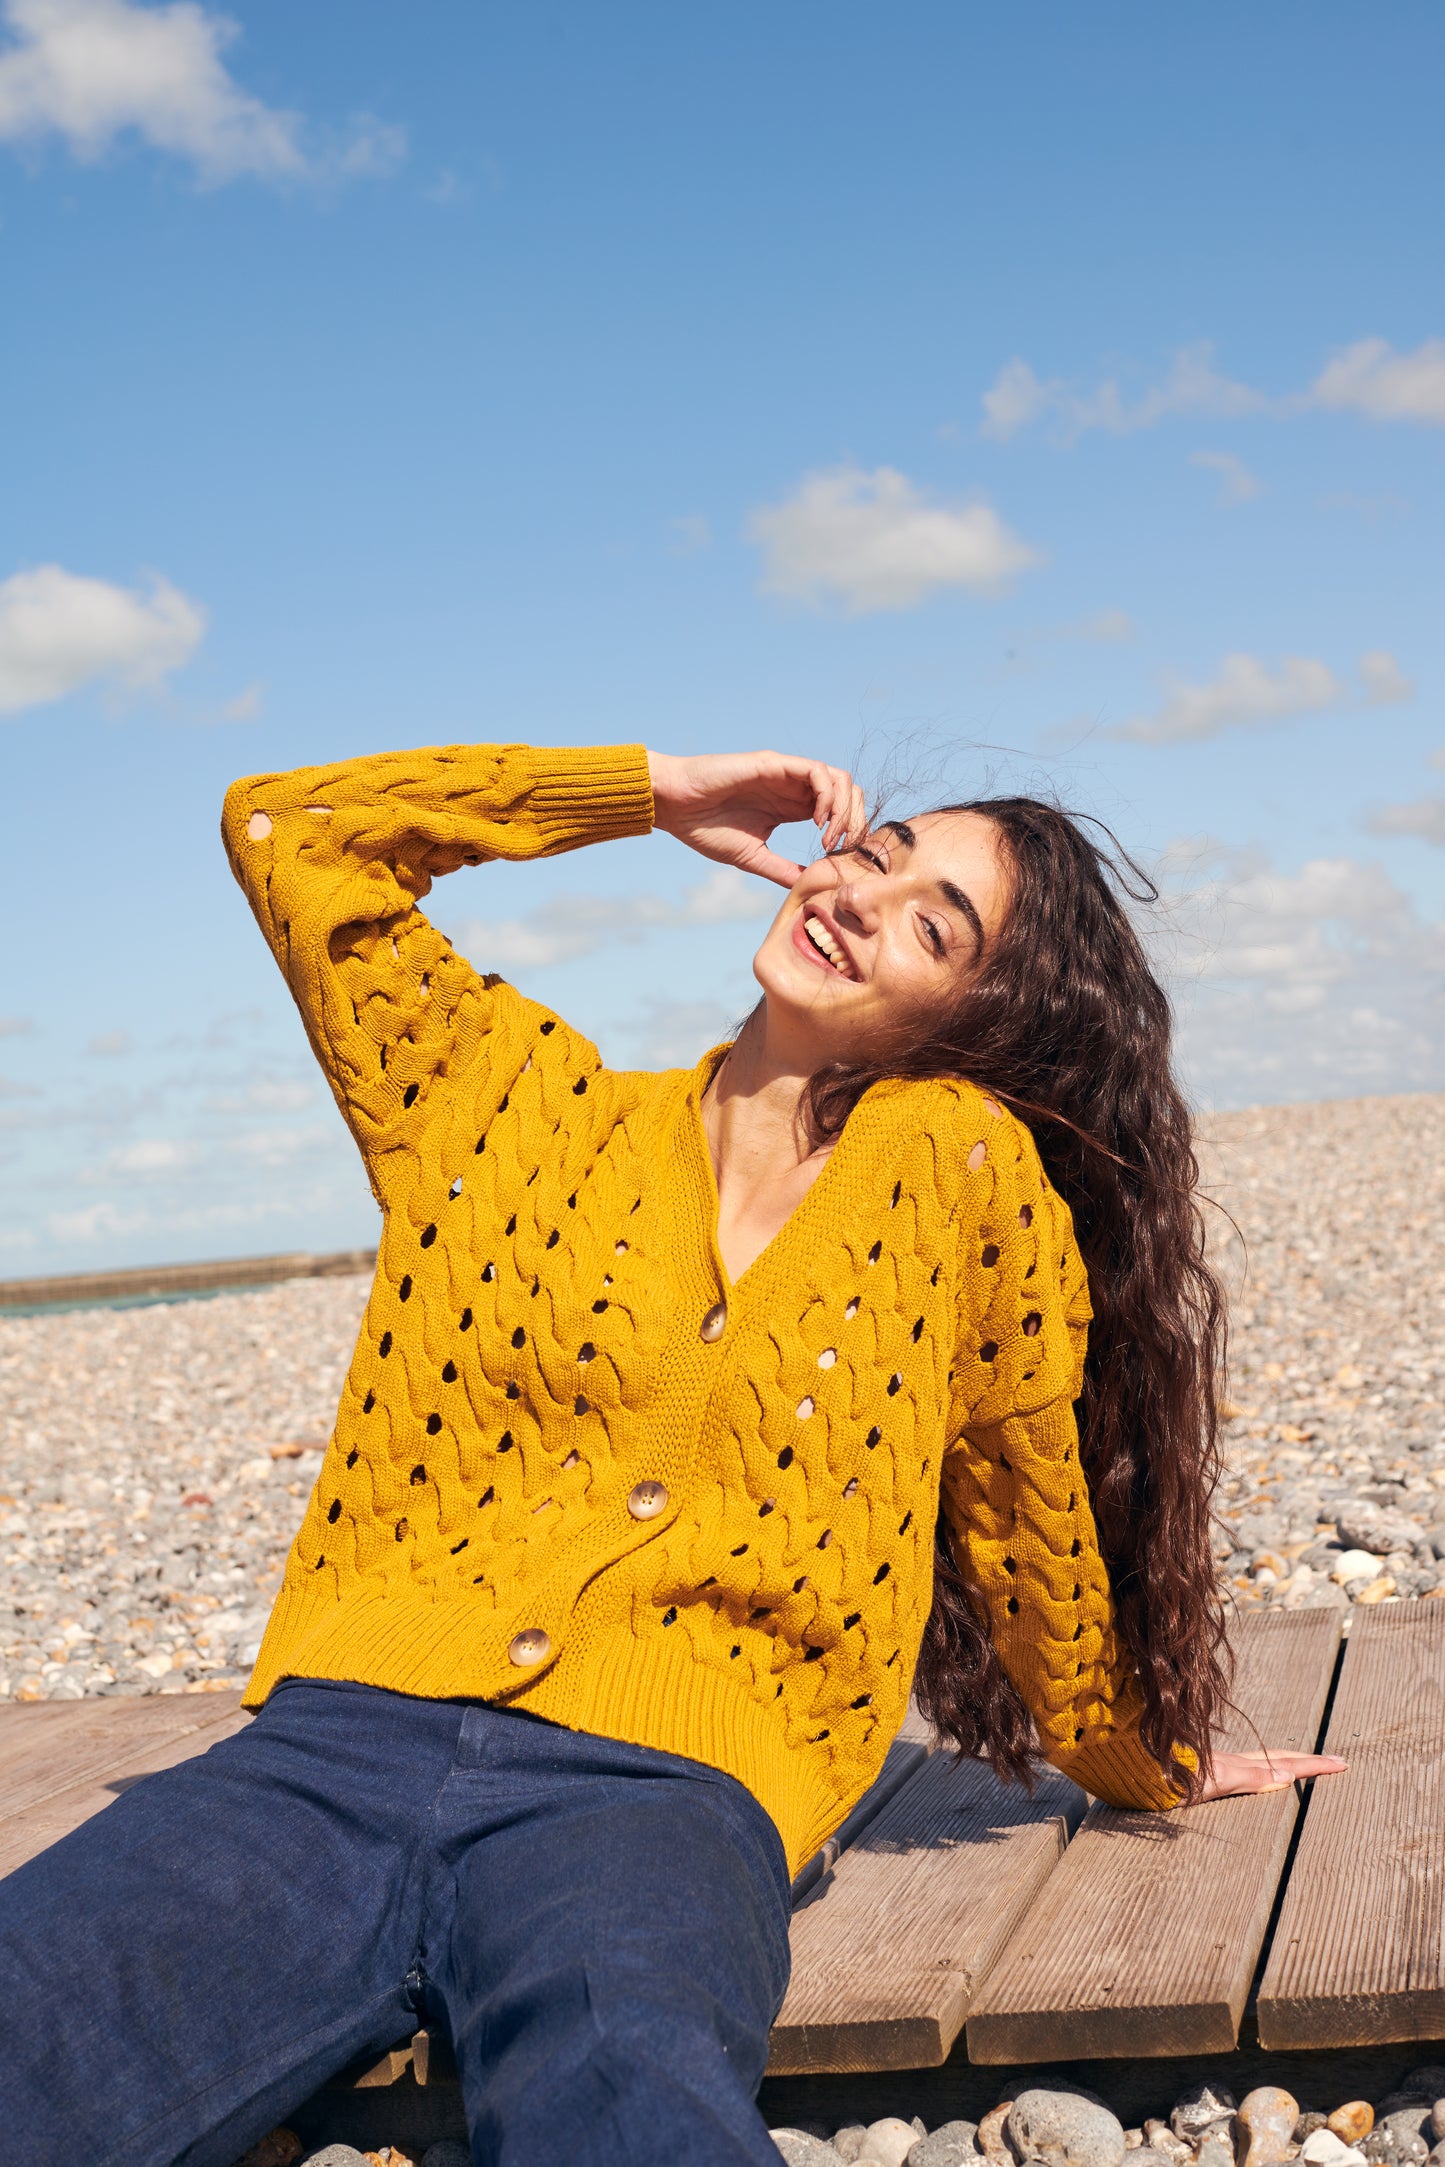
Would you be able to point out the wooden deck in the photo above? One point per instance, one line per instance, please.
(952, 1914)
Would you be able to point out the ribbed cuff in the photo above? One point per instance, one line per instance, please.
(590, 794)
(1118, 1770)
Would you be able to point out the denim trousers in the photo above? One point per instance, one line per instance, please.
(601, 1929)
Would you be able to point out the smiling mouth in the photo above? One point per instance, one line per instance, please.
(822, 941)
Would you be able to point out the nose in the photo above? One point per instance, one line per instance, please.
(857, 900)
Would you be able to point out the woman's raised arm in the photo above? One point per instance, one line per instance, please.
(334, 861)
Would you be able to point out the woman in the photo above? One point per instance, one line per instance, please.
(692, 1414)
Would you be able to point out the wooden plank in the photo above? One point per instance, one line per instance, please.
(886, 1958)
(904, 1758)
(56, 1812)
(78, 1741)
(1359, 1952)
(1147, 1937)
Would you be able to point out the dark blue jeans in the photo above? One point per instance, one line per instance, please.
(601, 1929)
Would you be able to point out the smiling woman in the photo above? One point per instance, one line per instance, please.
(694, 1418)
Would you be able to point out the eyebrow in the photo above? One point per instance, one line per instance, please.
(948, 889)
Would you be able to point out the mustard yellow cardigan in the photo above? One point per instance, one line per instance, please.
(575, 1468)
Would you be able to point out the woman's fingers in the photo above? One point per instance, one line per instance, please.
(1236, 1774)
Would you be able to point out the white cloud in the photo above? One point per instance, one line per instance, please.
(676, 1034)
(246, 705)
(278, 1147)
(1018, 397)
(878, 542)
(16, 1026)
(1371, 378)
(1236, 484)
(96, 1222)
(1424, 818)
(89, 71)
(59, 631)
(110, 1042)
(1248, 694)
(568, 926)
(153, 1155)
(1314, 984)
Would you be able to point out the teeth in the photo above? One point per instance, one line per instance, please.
(825, 944)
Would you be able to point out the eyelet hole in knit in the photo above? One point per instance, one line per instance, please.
(1032, 1323)
(805, 1407)
(827, 1358)
(852, 1309)
(874, 1437)
(850, 1489)
(989, 1256)
(988, 1352)
(619, 1249)
(976, 1157)
(875, 1252)
(1026, 1216)
(258, 827)
(785, 1457)
(418, 1474)
(408, 1097)
(455, 1190)
(449, 1373)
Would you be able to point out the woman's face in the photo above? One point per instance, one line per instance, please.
(868, 937)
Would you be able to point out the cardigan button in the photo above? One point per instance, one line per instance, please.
(645, 1500)
(533, 1646)
(714, 1324)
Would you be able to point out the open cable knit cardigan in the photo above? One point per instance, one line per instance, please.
(577, 1470)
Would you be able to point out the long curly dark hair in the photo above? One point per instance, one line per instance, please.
(1066, 1023)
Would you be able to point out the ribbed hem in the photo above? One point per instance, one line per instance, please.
(1118, 1770)
(614, 1685)
(628, 1689)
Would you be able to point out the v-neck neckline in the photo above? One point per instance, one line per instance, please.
(702, 1077)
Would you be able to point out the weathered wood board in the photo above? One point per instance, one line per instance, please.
(887, 1955)
(1146, 1939)
(56, 1774)
(1359, 1953)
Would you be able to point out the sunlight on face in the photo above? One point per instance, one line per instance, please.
(868, 937)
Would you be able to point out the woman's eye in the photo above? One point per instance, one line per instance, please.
(861, 850)
(934, 935)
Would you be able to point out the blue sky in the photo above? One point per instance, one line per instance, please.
(1039, 397)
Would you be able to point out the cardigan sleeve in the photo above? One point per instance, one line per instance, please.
(334, 862)
(1014, 1496)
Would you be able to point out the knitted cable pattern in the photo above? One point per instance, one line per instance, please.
(577, 1471)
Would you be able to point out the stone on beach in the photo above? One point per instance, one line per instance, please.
(952, 2144)
(1064, 2129)
(888, 2142)
(1203, 2108)
(1352, 2121)
(801, 2150)
(1267, 2115)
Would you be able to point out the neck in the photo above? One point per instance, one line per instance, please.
(752, 1112)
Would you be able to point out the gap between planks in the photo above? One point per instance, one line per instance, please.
(1146, 1940)
(1359, 1952)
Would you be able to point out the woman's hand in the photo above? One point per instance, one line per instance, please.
(1237, 1774)
(726, 805)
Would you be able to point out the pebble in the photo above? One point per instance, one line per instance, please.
(952, 2144)
(336, 2155)
(888, 2142)
(991, 2140)
(1352, 2121)
(801, 2150)
(1204, 2107)
(1437, 2120)
(1216, 2151)
(1267, 2116)
(1064, 2129)
(1322, 2148)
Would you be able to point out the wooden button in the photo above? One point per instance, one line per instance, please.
(533, 1646)
(645, 1500)
(714, 1324)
